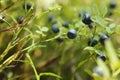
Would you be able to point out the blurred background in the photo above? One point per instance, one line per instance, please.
(26, 28)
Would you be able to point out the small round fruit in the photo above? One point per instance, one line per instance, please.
(59, 39)
(98, 70)
(27, 6)
(112, 4)
(72, 34)
(93, 42)
(55, 28)
(103, 38)
(101, 56)
(1, 18)
(66, 24)
(20, 20)
(50, 18)
(90, 26)
(86, 19)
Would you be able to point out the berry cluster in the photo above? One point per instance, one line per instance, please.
(87, 20)
(71, 34)
(20, 19)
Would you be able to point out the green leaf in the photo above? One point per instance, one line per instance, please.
(81, 63)
(114, 61)
(99, 20)
(50, 74)
(97, 77)
(39, 32)
(89, 48)
(108, 19)
(35, 47)
(95, 10)
(108, 30)
(116, 73)
(88, 72)
(44, 29)
(92, 49)
(56, 7)
(112, 25)
(103, 10)
(104, 68)
(111, 28)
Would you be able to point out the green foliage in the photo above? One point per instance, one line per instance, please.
(31, 51)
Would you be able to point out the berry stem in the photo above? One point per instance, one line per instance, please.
(9, 6)
(17, 26)
(33, 66)
(94, 32)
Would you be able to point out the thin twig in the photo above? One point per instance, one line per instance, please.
(48, 63)
(8, 6)
(39, 68)
(17, 25)
(32, 65)
(94, 32)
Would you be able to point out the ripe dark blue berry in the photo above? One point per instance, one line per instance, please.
(86, 19)
(71, 34)
(66, 24)
(59, 39)
(50, 18)
(98, 70)
(92, 42)
(27, 6)
(20, 20)
(90, 26)
(112, 4)
(101, 56)
(55, 28)
(1, 18)
(103, 38)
